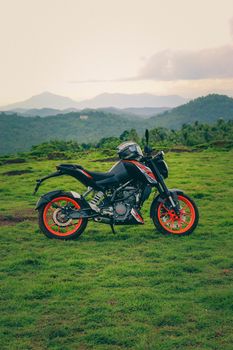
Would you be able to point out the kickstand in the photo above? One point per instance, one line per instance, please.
(112, 227)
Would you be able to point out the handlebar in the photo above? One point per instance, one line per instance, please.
(159, 155)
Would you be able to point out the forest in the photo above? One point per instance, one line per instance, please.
(195, 136)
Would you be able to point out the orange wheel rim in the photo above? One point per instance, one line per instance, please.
(177, 224)
(53, 220)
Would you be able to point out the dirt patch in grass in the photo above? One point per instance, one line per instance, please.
(17, 172)
(181, 150)
(18, 216)
(13, 161)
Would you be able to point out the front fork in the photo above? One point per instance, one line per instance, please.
(174, 202)
(171, 196)
(165, 192)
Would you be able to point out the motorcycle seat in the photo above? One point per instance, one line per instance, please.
(70, 166)
(100, 176)
(97, 176)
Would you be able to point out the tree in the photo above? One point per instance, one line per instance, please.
(130, 135)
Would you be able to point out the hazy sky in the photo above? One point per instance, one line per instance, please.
(80, 48)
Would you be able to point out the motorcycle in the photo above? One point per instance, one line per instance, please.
(117, 197)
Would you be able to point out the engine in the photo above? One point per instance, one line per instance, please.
(124, 202)
(122, 206)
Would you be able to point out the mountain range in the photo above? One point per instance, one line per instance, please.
(132, 100)
(18, 133)
(131, 113)
(105, 100)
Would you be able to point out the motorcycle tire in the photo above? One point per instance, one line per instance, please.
(167, 222)
(54, 224)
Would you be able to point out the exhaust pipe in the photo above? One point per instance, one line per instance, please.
(103, 220)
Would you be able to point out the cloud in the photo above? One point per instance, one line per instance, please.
(213, 63)
(168, 65)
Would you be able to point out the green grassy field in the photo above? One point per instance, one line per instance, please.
(134, 290)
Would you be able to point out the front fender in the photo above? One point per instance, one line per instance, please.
(46, 198)
(173, 191)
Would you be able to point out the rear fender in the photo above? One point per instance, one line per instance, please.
(174, 193)
(46, 198)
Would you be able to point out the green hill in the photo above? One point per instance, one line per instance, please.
(206, 109)
(19, 133)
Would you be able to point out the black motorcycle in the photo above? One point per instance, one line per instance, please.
(117, 197)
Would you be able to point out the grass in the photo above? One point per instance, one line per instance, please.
(134, 290)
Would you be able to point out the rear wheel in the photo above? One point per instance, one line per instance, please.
(53, 219)
(167, 222)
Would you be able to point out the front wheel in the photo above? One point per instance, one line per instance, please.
(167, 222)
(53, 221)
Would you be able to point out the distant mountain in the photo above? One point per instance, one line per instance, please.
(131, 113)
(132, 100)
(41, 112)
(52, 101)
(43, 100)
(146, 112)
(206, 109)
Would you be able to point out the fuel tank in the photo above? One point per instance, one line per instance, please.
(120, 171)
(139, 171)
(116, 175)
